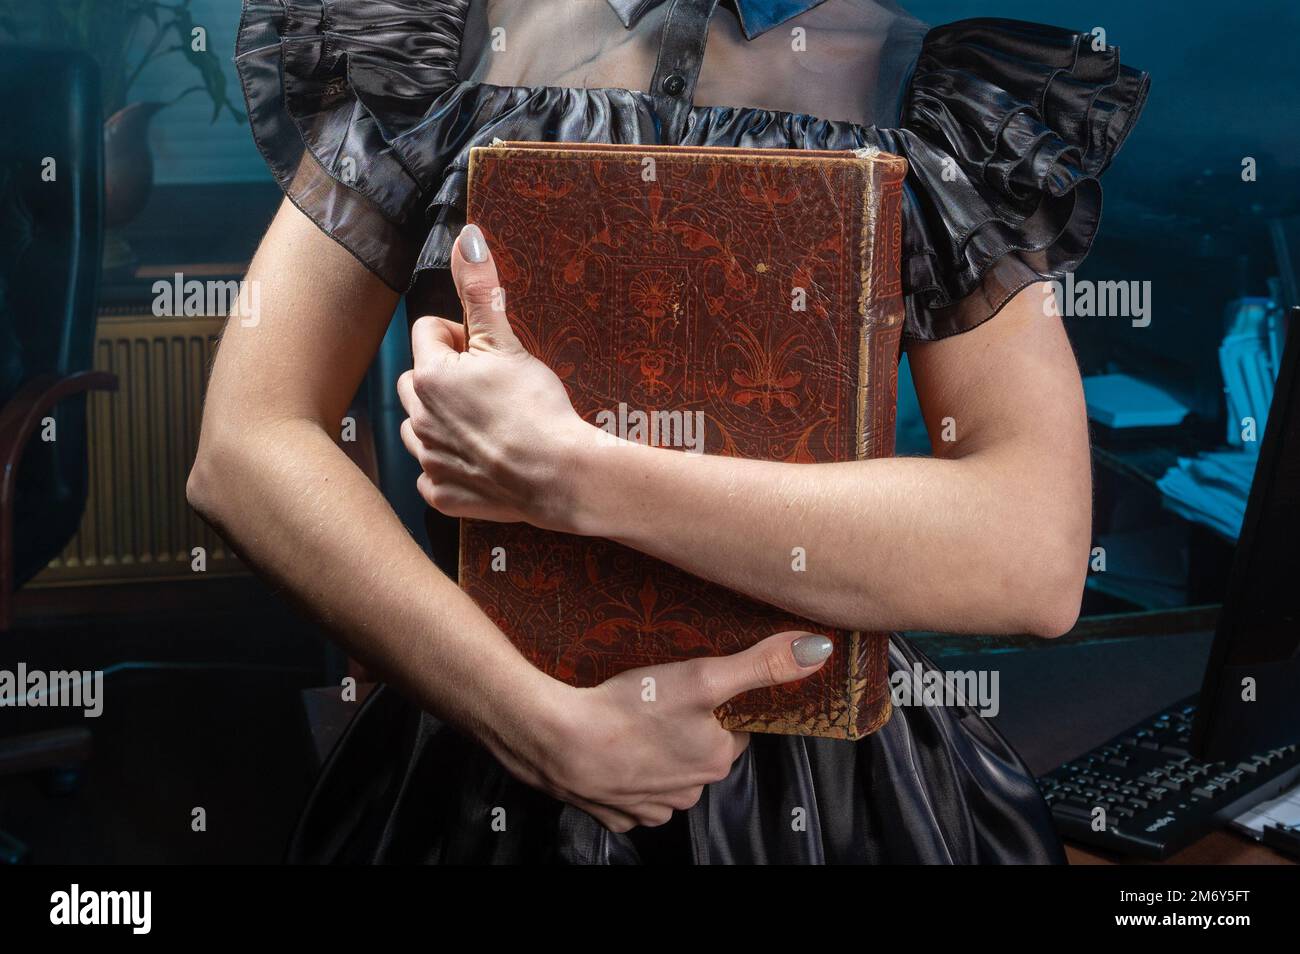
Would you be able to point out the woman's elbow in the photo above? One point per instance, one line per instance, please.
(213, 473)
(201, 485)
(1053, 595)
(1055, 610)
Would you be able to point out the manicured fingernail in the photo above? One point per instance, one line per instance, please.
(472, 244)
(810, 650)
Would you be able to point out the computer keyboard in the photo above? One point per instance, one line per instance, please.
(1153, 797)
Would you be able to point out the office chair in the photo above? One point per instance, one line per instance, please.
(51, 236)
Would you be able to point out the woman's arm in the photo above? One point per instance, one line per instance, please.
(990, 535)
(271, 478)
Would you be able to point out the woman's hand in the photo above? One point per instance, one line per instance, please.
(643, 744)
(492, 427)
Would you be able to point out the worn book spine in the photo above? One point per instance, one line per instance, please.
(757, 289)
(880, 312)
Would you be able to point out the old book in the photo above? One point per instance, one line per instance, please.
(715, 300)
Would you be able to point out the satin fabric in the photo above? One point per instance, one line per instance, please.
(934, 786)
(366, 116)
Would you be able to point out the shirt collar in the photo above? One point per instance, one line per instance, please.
(756, 16)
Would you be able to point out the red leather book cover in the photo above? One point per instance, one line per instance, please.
(729, 301)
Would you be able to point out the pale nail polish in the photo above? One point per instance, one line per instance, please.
(810, 650)
(472, 244)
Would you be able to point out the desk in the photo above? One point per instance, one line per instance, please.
(1218, 848)
(1061, 698)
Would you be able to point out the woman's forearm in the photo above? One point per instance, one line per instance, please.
(304, 516)
(905, 543)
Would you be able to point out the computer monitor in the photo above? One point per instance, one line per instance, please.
(1250, 698)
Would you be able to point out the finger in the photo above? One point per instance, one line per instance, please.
(406, 395)
(716, 770)
(481, 295)
(739, 742)
(441, 497)
(419, 422)
(778, 659)
(433, 339)
(424, 453)
(682, 799)
(452, 499)
(457, 331)
(414, 446)
(611, 818)
(652, 814)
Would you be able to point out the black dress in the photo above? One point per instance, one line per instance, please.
(366, 110)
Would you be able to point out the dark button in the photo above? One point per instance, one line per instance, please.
(674, 83)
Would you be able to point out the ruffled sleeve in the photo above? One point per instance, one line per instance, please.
(331, 85)
(1006, 127)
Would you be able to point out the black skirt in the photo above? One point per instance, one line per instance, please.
(936, 785)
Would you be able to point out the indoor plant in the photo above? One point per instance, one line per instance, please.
(124, 37)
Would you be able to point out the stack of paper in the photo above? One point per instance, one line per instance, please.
(1283, 810)
(1211, 488)
(1249, 363)
(1120, 401)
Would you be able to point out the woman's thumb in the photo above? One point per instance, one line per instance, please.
(481, 294)
(778, 659)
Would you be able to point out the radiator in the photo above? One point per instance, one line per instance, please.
(142, 440)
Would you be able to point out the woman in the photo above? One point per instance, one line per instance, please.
(366, 112)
